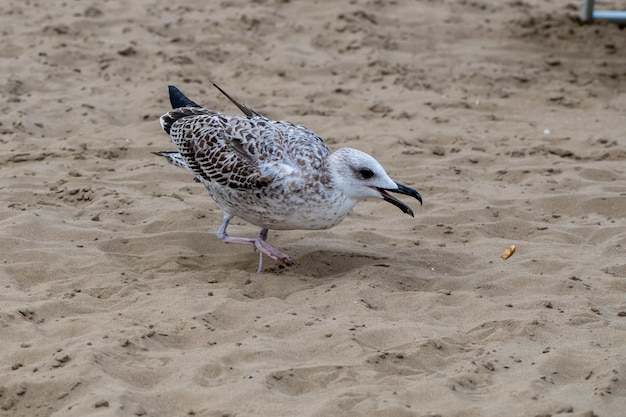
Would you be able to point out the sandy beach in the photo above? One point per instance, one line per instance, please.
(508, 117)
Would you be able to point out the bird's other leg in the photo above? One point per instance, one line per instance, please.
(259, 243)
(265, 248)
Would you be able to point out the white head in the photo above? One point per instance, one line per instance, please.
(360, 176)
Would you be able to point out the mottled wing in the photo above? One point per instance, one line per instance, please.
(243, 152)
(306, 149)
(221, 149)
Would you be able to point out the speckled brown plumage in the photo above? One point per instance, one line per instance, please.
(274, 174)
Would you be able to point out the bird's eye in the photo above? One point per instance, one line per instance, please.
(366, 173)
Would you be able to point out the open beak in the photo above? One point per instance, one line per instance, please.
(402, 189)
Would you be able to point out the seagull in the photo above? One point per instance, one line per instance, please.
(276, 175)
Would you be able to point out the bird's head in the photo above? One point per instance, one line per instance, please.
(360, 176)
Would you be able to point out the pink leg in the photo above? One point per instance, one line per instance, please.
(258, 243)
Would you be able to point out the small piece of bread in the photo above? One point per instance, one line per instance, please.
(507, 253)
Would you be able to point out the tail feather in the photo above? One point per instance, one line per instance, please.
(174, 158)
(182, 107)
(168, 119)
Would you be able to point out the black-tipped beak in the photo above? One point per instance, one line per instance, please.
(402, 189)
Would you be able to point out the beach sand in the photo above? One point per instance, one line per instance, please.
(508, 117)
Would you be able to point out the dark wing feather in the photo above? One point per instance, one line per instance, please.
(245, 109)
(178, 99)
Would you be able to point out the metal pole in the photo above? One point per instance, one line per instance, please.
(587, 14)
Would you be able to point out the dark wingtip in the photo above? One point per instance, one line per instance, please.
(245, 109)
(178, 99)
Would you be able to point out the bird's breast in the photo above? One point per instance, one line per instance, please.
(285, 208)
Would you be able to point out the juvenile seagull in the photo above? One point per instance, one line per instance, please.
(274, 174)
